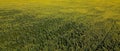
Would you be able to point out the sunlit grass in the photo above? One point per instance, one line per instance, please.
(59, 25)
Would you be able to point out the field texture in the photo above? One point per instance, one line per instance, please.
(59, 25)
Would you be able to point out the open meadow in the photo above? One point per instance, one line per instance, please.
(59, 25)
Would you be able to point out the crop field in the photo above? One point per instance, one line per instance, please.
(59, 25)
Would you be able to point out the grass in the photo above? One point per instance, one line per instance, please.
(59, 25)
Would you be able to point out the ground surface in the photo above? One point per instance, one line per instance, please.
(59, 25)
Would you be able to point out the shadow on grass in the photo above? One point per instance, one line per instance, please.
(5, 12)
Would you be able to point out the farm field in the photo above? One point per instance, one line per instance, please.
(59, 25)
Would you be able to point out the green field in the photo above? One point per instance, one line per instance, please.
(59, 25)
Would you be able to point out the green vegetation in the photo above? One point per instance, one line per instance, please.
(62, 25)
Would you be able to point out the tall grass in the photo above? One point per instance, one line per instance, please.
(60, 26)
